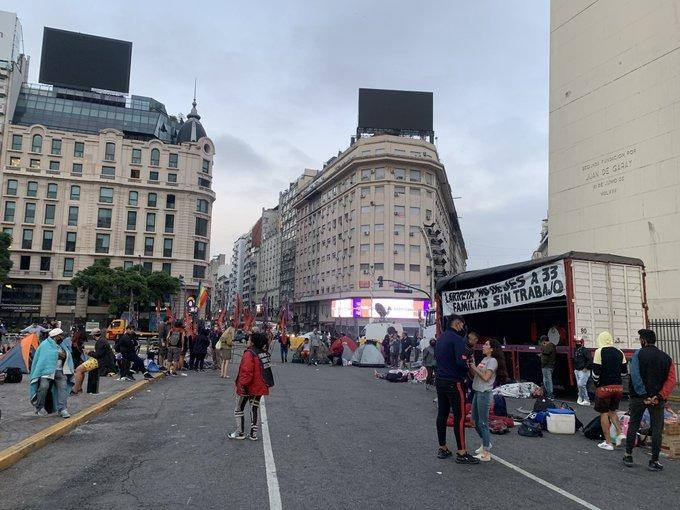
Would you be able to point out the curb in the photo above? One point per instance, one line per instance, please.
(10, 456)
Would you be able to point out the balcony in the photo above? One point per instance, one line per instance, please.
(32, 274)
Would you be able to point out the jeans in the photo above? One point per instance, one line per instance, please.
(636, 409)
(481, 404)
(60, 380)
(451, 399)
(581, 383)
(284, 353)
(547, 381)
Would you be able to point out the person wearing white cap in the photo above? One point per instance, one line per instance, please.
(51, 371)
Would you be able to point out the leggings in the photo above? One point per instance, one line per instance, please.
(239, 413)
(451, 398)
(197, 361)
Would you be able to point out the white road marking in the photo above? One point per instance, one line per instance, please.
(270, 466)
(545, 483)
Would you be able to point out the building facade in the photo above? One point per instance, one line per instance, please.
(364, 217)
(614, 162)
(239, 254)
(269, 262)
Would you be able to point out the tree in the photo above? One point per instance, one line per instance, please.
(5, 262)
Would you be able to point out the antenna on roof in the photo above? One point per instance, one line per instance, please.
(194, 103)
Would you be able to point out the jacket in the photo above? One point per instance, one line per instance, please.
(249, 381)
(104, 356)
(126, 344)
(452, 360)
(548, 355)
(227, 339)
(609, 362)
(581, 358)
(428, 356)
(201, 344)
(652, 373)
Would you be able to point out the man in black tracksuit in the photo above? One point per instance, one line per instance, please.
(451, 371)
(127, 346)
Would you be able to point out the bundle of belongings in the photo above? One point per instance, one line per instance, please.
(398, 375)
(499, 421)
(518, 390)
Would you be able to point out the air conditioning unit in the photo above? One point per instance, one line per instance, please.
(395, 252)
(366, 232)
(396, 213)
(396, 232)
(372, 202)
(410, 234)
(396, 193)
(362, 196)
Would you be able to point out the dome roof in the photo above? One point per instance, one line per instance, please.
(192, 130)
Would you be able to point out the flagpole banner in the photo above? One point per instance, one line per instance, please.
(539, 284)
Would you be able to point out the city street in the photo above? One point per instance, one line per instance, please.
(339, 439)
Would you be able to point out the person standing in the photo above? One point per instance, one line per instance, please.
(548, 358)
(252, 383)
(162, 340)
(174, 344)
(78, 338)
(451, 373)
(395, 349)
(582, 363)
(652, 379)
(200, 346)
(314, 343)
(226, 348)
(405, 346)
(386, 348)
(429, 363)
(215, 334)
(609, 364)
(284, 340)
(491, 367)
(51, 371)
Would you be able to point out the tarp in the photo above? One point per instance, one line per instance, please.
(368, 355)
(20, 355)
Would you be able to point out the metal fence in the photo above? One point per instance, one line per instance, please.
(668, 339)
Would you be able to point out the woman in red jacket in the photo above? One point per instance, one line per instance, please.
(252, 383)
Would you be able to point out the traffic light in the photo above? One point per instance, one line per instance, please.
(380, 281)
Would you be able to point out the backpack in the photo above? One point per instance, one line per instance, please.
(529, 428)
(174, 338)
(500, 408)
(265, 361)
(542, 404)
(593, 430)
(13, 375)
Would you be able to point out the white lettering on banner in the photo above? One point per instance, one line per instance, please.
(539, 284)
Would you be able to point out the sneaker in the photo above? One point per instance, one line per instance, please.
(483, 456)
(654, 466)
(121, 378)
(628, 460)
(64, 413)
(182, 374)
(605, 446)
(237, 435)
(42, 413)
(586, 403)
(466, 458)
(579, 401)
(129, 378)
(253, 436)
(147, 375)
(444, 454)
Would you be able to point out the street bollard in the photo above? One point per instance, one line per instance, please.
(93, 381)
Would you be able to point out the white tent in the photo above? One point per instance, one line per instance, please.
(368, 355)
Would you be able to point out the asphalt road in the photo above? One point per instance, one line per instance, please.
(340, 439)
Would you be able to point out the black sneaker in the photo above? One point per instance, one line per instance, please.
(654, 466)
(147, 375)
(628, 460)
(466, 458)
(444, 454)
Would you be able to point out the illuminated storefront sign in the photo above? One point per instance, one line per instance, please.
(366, 308)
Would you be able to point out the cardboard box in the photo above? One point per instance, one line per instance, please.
(671, 429)
(671, 446)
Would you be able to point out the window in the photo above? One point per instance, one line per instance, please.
(206, 166)
(379, 209)
(379, 227)
(399, 174)
(415, 268)
(428, 193)
(110, 152)
(365, 248)
(414, 249)
(25, 262)
(413, 231)
(134, 173)
(52, 190)
(45, 263)
(8, 230)
(415, 192)
(364, 268)
(167, 247)
(415, 176)
(414, 212)
(136, 156)
(127, 264)
(75, 192)
(104, 218)
(399, 210)
(108, 171)
(34, 163)
(366, 209)
(199, 272)
(172, 160)
(106, 195)
(54, 166)
(12, 186)
(169, 223)
(202, 206)
(170, 202)
(398, 267)
(56, 147)
(379, 266)
(366, 174)
(66, 295)
(77, 168)
(167, 267)
(129, 245)
(15, 161)
(151, 200)
(199, 250)
(32, 189)
(148, 246)
(27, 239)
(399, 248)
(379, 173)
(36, 144)
(150, 222)
(201, 227)
(153, 175)
(428, 178)
(70, 241)
(147, 266)
(49, 214)
(73, 216)
(17, 141)
(205, 183)
(172, 177)
(29, 213)
(365, 229)
(133, 198)
(68, 267)
(48, 235)
(365, 191)
(400, 190)
(131, 220)
(378, 247)
(102, 243)
(78, 149)
(155, 157)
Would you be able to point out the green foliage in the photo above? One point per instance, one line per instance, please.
(123, 288)
(5, 262)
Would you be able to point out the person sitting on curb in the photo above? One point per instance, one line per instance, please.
(127, 346)
(51, 371)
(102, 359)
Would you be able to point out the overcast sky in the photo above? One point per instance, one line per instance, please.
(278, 82)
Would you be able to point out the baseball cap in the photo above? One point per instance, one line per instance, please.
(96, 332)
(56, 332)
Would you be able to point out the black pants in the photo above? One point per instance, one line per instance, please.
(137, 364)
(197, 361)
(636, 409)
(451, 398)
(430, 376)
(239, 413)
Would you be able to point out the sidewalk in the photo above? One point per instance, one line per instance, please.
(19, 420)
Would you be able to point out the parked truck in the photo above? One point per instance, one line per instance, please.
(567, 297)
(117, 328)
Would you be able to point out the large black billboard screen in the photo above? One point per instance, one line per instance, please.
(395, 109)
(82, 61)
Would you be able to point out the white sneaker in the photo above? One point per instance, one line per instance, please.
(481, 449)
(605, 446)
(237, 435)
(183, 374)
(64, 413)
(586, 403)
(580, 401)
(483, 456)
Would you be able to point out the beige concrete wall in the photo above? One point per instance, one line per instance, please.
(614, 181)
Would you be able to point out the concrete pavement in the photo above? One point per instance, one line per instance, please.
(340, 439)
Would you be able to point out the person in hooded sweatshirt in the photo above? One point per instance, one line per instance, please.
(609, 364)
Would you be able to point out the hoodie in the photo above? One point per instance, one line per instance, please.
(609, 362)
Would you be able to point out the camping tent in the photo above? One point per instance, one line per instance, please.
(302, 352)
(349, 342)
(20, 355)
(368, 355)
